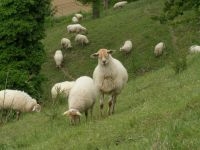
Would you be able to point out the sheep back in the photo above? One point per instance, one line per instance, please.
(58, 57)
(158, 50)
(62, 87)
(17, 100)
(83, 94)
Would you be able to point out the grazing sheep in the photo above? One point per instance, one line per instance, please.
(74, 19)
(127, 47)
(120, 4)
(58, 57)
(76, 28)
(195, 49)
(81, 39)
(61, 87)
(109, 76)
(82, 98)
(79, 16)
(158, 50)
(66, 43)
(18, 101)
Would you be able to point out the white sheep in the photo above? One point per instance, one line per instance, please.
(65, 43)
(82, 98)
(120, 4)
(58, 57)
(75, 19)
(127, 47)
(158, 50)
(195, 49)
(79, 16)
(76, 28)
(61, 87)
(109, 76)
(18, 101)
(81, 39)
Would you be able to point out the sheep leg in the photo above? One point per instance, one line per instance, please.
(101, 104)
(18, 114)
(79, 119)
(91, 111)
(86, 115)
(114, 97)
(110, 105)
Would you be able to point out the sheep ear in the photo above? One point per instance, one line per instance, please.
(78, 113)
(66, 113)
(94, 55)
(37, 108)
(110, 51)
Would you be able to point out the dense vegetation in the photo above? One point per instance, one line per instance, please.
(158, 109)
(21, 50)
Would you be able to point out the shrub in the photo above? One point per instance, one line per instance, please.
(22, 53)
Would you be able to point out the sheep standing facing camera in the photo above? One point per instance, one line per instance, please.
(109, 76)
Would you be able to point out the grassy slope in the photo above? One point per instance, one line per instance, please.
(110, 31)
(159, 110)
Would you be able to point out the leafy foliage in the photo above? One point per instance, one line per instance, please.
(174, 8)
(21, 51)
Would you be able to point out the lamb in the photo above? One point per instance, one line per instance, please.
(158, 50)
(79, 16)
(109, 76)
(75, 19)
(18, 101)
(58, 57)
(76, 28)
(127, 47)
(61, 87)
(82, 98)
(195, 49)
(65, 43)
(81, 39)
(120, 4)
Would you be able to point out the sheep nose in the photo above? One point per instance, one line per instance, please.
(104, 62)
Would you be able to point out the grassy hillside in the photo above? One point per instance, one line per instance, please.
(110, 31)
(157, 109)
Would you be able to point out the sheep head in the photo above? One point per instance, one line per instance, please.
(74, 114)
(37, 108)
(103, 56)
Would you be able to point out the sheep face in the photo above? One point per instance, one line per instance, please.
(36, 108)
(73, 114)
(103, 56)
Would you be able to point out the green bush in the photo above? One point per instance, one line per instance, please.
(22, 53)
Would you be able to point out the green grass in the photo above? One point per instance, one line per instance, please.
(110, 31)
(157, 109)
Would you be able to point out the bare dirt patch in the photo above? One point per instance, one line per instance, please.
(67, 7)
